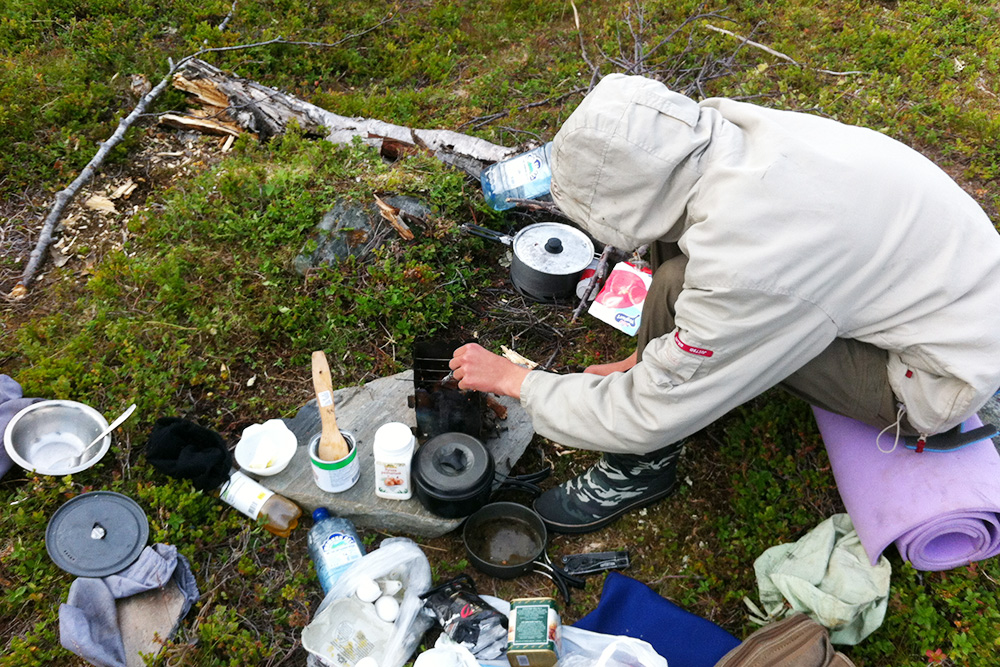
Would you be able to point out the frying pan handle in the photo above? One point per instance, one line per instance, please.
(525, 482)
(486, 233)
(514, 483)
(548, 571)
(536, 476)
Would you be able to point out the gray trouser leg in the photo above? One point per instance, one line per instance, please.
(849, 377)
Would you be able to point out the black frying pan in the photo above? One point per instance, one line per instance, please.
(506, 540)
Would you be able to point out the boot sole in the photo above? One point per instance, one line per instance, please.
(597, 524)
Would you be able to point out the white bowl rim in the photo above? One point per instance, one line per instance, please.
(287, 442)
(27, 465)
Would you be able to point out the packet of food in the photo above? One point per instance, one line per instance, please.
(619, 303)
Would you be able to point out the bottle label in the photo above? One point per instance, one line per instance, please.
(245, 495)
(339, 549)
(526, 168)
(392, 479)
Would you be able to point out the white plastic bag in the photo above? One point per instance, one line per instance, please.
(583, 648)
(446, 653)
(398, 559)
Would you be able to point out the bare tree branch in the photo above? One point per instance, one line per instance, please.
(778, 54)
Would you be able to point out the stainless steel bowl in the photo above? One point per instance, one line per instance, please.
(46, 437)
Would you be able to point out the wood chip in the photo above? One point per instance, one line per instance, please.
(513, 356)
(206, 125)
(124, 190)
(99, 203)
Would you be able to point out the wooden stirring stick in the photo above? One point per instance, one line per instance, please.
(332, 446)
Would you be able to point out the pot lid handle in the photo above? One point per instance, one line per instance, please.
(453, 462)
(554, 246)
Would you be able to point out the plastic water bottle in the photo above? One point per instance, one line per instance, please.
(333, 545)
(524, 176)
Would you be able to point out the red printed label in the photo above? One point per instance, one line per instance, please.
(699, 351)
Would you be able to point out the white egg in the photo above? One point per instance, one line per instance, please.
(387, 608)
(368, 590)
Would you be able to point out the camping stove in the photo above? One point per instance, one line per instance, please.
(441, 407)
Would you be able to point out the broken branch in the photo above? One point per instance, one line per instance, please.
(599, 273)
(391, 214)
(268, 112)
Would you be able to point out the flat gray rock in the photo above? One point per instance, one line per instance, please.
(360, 411)
(147, 620)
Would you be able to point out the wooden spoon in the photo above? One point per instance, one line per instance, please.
(332, 446)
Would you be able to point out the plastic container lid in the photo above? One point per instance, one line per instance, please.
(393, 438)
(320, 513)
(454, 466)
(553, 248)
(97, 534)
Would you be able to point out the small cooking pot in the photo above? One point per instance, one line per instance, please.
(549, 258)
(453, 475)
(506, 540)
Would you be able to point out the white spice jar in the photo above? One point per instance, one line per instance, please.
(393, 450)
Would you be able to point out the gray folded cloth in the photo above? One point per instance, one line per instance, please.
(11, 402)
(88, 621)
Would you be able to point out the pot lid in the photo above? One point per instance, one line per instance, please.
(453, 464)
(553, 248)
(97, 534)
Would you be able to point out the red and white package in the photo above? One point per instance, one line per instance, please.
(619, 302)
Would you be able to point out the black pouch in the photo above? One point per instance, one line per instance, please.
(466, 618)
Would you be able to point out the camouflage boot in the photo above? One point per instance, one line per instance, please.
(613, 486)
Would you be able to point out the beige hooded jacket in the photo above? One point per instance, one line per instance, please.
(798, 229)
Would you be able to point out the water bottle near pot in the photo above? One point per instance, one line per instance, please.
(524, 176)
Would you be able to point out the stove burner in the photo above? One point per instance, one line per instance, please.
(441, 407)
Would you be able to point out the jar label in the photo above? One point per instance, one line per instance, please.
(392, 479)
(245, 495)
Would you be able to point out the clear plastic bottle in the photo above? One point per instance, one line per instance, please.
(253, 499)
(524, 176)
(333, 545)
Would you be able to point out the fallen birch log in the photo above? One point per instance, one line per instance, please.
(267, 112)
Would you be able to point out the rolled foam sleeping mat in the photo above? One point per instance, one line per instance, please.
(941, 509)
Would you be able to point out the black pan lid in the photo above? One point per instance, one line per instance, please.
(453, 465)
(97, 534)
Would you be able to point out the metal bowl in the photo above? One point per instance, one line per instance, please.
(45, 437)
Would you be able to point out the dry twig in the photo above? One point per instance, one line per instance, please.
(777, 54)
(599, 274)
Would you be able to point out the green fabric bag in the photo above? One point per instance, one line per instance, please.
(827, 576)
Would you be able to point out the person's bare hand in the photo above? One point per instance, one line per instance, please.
(477, 368)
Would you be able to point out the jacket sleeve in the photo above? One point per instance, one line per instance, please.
(729, 346)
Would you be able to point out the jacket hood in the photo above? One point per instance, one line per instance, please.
(626, 161)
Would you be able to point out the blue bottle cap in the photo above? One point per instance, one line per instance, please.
(321, 513)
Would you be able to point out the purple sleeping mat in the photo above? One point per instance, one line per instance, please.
(941, 509)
